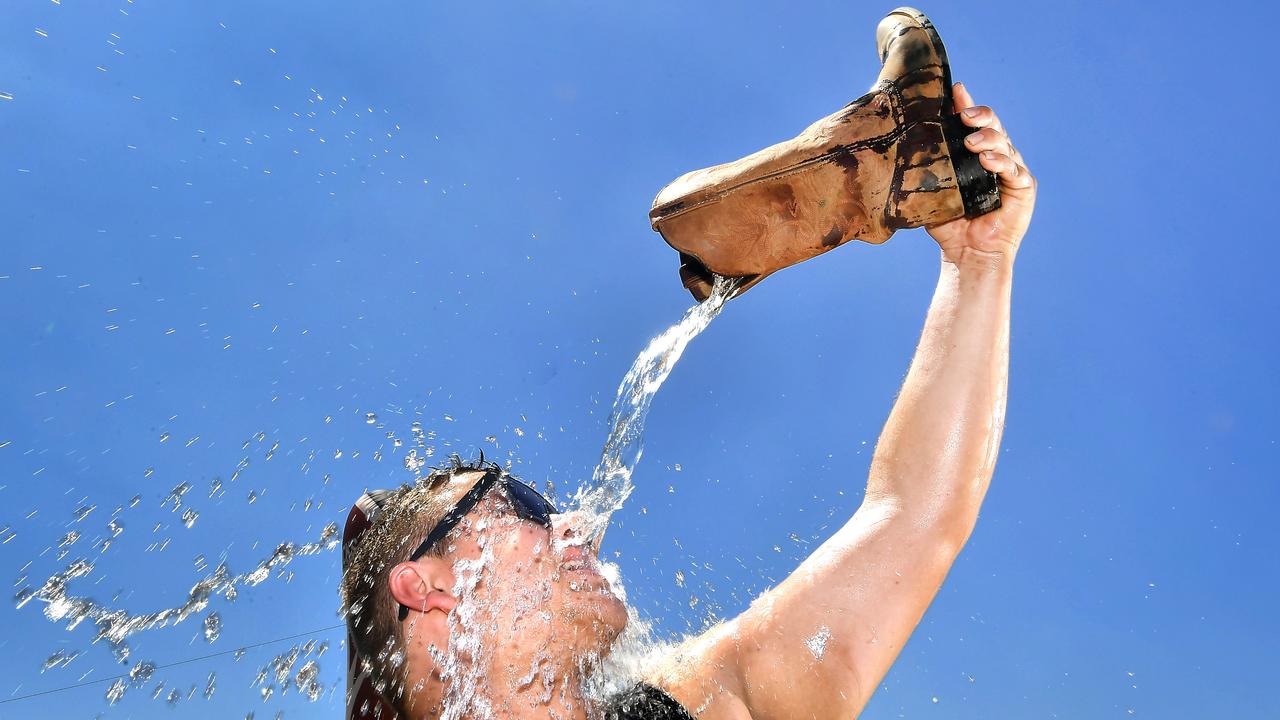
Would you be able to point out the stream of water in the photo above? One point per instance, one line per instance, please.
(611, 484)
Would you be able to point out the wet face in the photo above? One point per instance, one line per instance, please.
(524, 593)
(535, 582)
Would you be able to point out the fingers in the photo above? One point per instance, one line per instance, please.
(1011, 174)
(960, 94)
(991, 139)
(980, 116)
(972, 114)
(995, 152)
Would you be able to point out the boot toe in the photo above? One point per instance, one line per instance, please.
(895, 24)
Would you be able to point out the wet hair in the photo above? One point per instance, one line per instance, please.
(405, 517)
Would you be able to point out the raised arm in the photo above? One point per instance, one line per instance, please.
(817, 645)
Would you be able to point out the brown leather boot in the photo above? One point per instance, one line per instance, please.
(894, 158)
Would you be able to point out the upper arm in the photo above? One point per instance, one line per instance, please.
(817, 645)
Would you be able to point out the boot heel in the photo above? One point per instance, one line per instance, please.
(978, 187)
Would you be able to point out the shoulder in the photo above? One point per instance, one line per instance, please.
(702, 674)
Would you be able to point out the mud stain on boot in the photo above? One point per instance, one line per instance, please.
(833, 237)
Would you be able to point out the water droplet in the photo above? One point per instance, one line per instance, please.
(305, 680)
(59, 658)
(141, 672)
(175, 495)
(212, 627)
(413, 462)
(818, 643)
(116, 691)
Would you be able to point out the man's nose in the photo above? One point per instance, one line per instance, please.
(571, 526)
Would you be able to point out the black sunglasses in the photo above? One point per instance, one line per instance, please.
(528, 504)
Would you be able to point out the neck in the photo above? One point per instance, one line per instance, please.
(522, 688)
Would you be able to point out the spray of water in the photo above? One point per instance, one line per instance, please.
(611, 482)
(115, 625)
(463, 666)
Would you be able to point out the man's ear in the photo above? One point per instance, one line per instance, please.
(423, 585)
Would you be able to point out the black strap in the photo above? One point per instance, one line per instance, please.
(646, 702)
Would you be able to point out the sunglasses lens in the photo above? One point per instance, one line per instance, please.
(529, 503)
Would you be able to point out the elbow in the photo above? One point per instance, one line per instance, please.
(945, 522)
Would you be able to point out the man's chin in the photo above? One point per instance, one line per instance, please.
(595, 607)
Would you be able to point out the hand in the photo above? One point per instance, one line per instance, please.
(1001, 230)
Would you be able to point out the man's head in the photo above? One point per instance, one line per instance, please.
(497, 594)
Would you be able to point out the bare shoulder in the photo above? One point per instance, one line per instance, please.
(702, 674)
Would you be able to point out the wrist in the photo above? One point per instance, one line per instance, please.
(971, 262)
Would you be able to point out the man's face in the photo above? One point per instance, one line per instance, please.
(524, 589)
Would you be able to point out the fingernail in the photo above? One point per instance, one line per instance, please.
(974, 139)
(970, 112)
(988, 154)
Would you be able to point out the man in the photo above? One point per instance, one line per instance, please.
(470, 598)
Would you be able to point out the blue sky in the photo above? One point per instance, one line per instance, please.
(469, 247)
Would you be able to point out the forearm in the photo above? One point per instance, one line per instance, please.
(938, 449)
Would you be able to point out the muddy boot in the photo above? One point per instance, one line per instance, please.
(894, 158)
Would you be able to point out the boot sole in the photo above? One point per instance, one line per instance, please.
(979, 187)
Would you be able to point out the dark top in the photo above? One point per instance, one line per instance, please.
(645, 702)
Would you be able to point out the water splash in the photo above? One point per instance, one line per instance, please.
(279, 674)
(59, 659)
(465, 678)
(115, 691)
(115, 625)
(212, 627)
(611, 482)
(818, 643)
